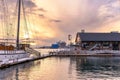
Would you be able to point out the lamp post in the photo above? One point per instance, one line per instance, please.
(69, 39)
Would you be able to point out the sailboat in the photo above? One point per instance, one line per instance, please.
(9, 53)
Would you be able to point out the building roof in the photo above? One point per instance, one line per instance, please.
(99, 36)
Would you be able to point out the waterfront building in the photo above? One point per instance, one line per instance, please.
(98, 41)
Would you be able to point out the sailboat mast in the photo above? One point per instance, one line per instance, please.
(18, 24)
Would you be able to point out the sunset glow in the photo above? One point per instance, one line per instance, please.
(50, 21)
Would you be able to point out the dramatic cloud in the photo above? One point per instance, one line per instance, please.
(91, 15)
(53, 20)
(109, 14)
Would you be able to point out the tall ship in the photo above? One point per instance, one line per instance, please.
(11, 49)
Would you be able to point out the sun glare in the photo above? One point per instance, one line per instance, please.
(26, 36)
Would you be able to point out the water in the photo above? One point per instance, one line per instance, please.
(65, 68)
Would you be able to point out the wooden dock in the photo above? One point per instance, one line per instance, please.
(87, 55)
(70, 54)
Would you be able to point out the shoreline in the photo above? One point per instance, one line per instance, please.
(58, 54)
(20, 61)
(86, 55)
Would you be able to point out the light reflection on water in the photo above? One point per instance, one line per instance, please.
(65, 68)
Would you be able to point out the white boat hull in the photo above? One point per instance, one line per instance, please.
(12, 55)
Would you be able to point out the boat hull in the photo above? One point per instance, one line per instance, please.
(12, 55)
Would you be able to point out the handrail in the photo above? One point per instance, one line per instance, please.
(32, 51)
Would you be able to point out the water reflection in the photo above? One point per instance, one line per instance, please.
(93, 64)
(17, 72)
(65, 68)
(98, 67)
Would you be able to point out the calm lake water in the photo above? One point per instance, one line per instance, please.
(65, 68)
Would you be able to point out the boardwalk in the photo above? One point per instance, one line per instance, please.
(87, 53)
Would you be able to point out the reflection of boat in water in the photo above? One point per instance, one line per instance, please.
(14, 72)
(10, 50)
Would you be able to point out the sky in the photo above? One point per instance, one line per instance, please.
(53, 20)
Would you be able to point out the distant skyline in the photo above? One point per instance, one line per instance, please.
(54, 20)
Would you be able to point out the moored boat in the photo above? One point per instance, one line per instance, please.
(16, 52)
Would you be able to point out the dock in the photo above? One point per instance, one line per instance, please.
(62, 53)
(86, 53)
(20, 61)
(37, 56)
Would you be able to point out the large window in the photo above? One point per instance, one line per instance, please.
(106, 44)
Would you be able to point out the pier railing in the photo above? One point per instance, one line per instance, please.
(32, 51)
(86, 53)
